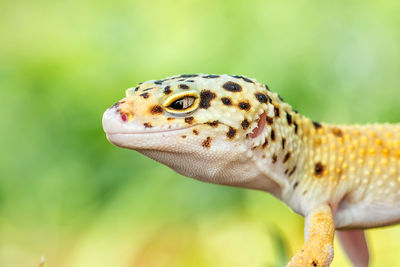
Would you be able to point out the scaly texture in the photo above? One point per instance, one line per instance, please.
(232, 130)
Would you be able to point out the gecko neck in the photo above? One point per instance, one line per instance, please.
(276, 153)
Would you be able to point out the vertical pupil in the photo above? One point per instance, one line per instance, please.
(178, 104)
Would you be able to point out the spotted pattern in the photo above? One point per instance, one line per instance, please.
(261, 97)
(232, 87)
(213, 123)
(244, 105)
(319, 169)
(245, 124)
(205, 98)
(231, 133)
(145, 95)
(167, 90)
(184, 86)
(317, 125)
(226, 101)
(207, 142)
(189, 120)
(157, 109)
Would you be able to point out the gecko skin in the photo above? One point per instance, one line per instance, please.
(232, 130)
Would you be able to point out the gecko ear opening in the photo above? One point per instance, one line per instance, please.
(260, 126)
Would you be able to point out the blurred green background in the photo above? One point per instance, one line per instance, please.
(70, 196)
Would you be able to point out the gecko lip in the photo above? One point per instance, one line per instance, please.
(140, 139)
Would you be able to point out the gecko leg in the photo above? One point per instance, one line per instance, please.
(319, 232)
(355, 246)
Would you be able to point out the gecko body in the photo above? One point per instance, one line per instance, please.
(233, 130)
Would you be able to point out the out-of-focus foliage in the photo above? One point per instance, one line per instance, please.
(70, 196)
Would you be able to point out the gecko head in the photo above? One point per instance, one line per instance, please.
(202, 126)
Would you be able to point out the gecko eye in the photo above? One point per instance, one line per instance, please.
(183, 103)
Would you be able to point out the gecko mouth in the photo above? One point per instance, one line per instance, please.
(145, 139)
(156, 131)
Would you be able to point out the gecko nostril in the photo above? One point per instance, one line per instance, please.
(124, 117)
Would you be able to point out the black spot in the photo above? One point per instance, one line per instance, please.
(145, 95)
(319, 169)
(261, 97)
(276, 110)
(226, 101)
(147, 125)
(289, 118)
(157, 109)
(281, 98)
(272, 135)
(189, 120)
(231, 133)
(245, 124)
(269, 120)
(274, 158)
(211, 76)
(183, 86)
(295, 185)
(206, 142)
(188, 75)
(190, 81)
(170, 119)
(266, 87)
(337, 132)
(195, 132)
(136, 88)
(243, 78)
(283, 142)
(295, 127)
(167, 90)
(292, 171)
(247, 79)
(159, 81)
(213, 123)
(317, 125)
(314, 263)
(295, 111)
(148, 89)
(265, 143)
(244, 105)
(232, 87)
(205, 98)
(287, 157)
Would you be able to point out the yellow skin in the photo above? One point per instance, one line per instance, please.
(232, 130)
